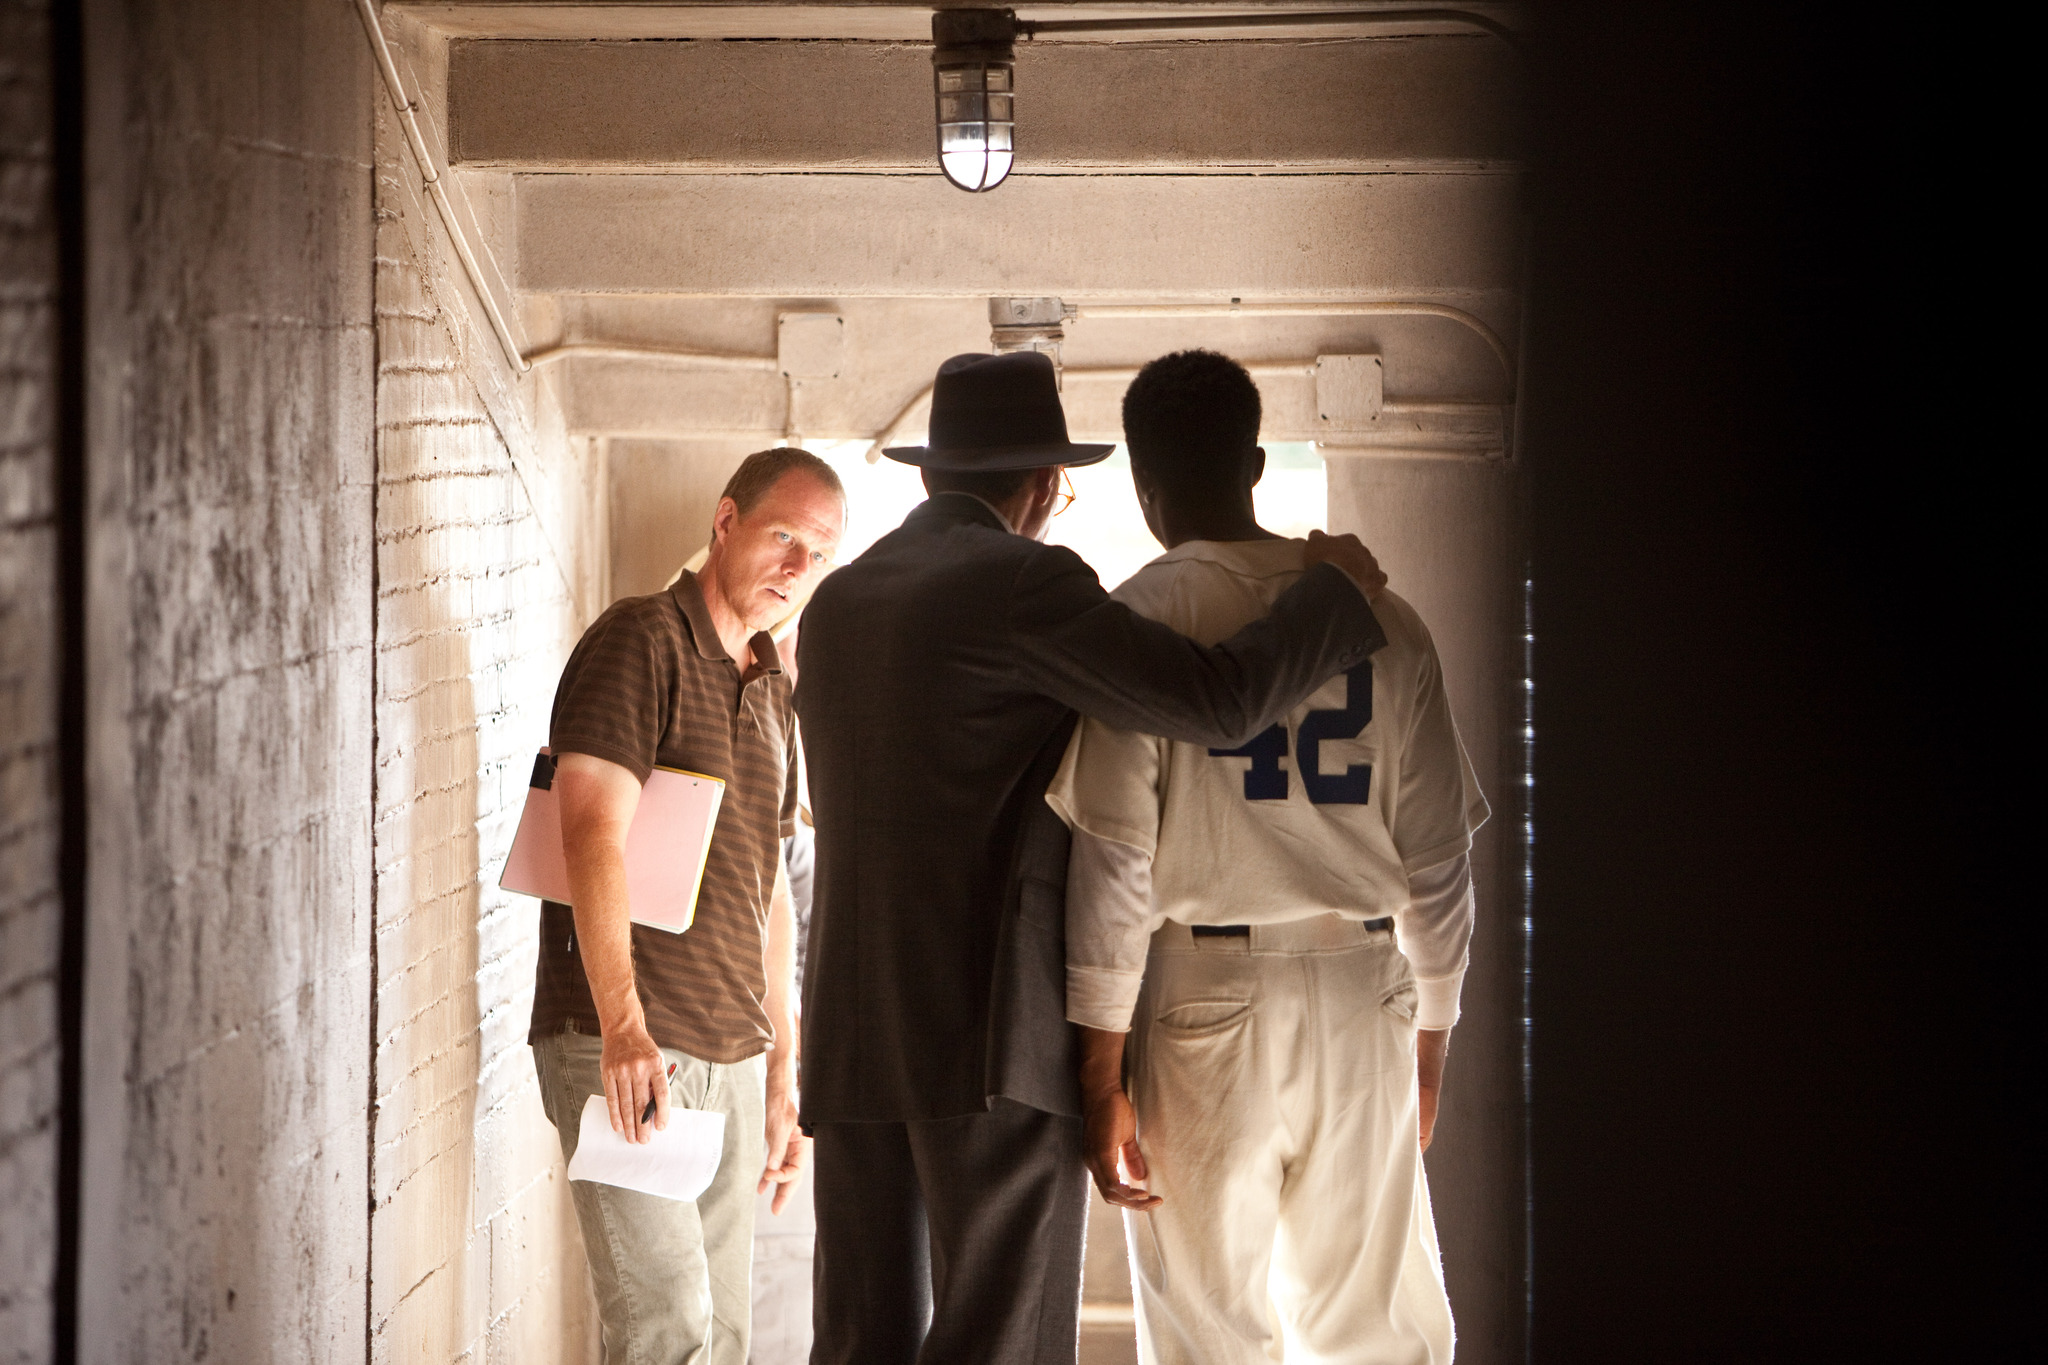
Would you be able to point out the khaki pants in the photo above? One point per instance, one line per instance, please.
(674, 1278)
(1274, 1080)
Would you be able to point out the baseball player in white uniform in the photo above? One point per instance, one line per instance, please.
(1279, 932)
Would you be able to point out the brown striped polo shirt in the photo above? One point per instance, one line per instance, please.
(648, 686)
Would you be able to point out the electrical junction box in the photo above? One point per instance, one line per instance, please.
(1038, 312)
(1349, 392)
(1037, 324)
(810, 345)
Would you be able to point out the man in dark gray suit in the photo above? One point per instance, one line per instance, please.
(940, 675)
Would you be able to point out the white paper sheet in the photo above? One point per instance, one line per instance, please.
(677, 1164)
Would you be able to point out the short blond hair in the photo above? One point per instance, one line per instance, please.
(763, 469)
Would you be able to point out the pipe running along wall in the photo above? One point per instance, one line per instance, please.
(1357, 308)
(906, 418)
(430, 175)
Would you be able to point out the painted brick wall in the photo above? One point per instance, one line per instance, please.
(230, 597)
(488, 521)
(29, 911)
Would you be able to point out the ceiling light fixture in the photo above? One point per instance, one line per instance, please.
(974, 83)
(974, 69)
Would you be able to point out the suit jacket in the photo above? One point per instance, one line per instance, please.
(938, 680)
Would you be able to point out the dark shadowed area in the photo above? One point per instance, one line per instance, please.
(1772, 706)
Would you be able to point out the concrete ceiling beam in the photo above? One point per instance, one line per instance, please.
(1144, 238)
(892, 347)
(682, 106)
(892, 344)
(875, 20)
(628, 400)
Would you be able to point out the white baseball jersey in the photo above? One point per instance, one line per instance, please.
(1360, 804)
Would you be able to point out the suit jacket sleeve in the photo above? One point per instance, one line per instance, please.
(1076, 644)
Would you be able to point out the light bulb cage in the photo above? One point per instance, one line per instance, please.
(974, 68)
(974, 92)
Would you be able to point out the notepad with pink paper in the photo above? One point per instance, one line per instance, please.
(666, 845)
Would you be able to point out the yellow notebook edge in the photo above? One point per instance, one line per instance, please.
(704, 856)
(685, 772)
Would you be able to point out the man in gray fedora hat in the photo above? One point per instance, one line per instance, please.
(940, 677)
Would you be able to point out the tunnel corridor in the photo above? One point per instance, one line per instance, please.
(483, 305)
(358, 353)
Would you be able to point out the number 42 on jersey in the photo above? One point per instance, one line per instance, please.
(1266, 780)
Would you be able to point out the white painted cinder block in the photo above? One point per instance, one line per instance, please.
(476, 1254)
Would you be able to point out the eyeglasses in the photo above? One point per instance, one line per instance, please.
(1066, 493)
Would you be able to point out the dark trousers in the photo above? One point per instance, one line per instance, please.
(950, 1241)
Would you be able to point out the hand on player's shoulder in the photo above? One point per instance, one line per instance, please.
(1348, 553)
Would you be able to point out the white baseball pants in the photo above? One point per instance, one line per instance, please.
(1274, 1081)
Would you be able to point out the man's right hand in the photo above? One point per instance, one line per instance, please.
(1348, 553)
(634, 1073)
(1110, 1125)
(1111, 1132)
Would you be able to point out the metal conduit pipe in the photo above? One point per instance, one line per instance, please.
(906, 417)
(1326, 310)
(409, 119)
(1032, 28)
(610, 350)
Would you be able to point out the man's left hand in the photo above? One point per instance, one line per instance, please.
(1431, 1047)
(789, 1151)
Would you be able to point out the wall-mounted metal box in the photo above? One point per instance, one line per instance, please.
(1349, 392)
(810, 345)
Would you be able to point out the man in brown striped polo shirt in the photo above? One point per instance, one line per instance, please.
(686, 678)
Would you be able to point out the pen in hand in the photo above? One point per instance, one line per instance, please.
(648, 1117)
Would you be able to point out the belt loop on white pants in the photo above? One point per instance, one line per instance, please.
(1314, 934)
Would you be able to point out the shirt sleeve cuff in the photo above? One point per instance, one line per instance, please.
(1099, 997)
(1436, 1002)
(633, 763)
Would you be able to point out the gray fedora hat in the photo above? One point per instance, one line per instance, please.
(997, 412)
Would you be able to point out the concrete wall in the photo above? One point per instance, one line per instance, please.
(29, 909)
(489, 525)
(832, 235)
(335, 556)
(1444, 530)
(229, 595)
(662, 496)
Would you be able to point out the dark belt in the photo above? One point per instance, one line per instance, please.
(1371, 926)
